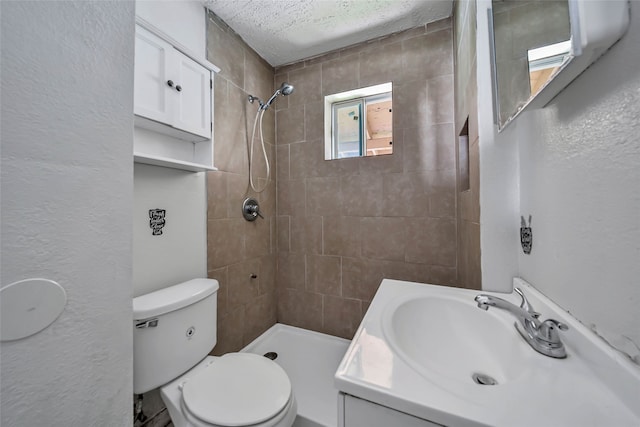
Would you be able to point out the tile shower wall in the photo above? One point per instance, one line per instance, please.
(343, 225)
(468, 200)
(237, 248)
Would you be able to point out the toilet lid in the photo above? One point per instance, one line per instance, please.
(237, 389)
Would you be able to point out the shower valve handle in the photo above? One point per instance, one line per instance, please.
(256, 211)
(251, 210)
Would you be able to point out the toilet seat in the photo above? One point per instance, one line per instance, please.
(285, 418)
(237, 389)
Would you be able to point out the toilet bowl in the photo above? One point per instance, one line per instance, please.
(237, 389)
(174, 330)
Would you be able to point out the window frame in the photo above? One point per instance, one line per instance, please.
(335, 149)
(332, 101)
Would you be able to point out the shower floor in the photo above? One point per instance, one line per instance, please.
(310, 359)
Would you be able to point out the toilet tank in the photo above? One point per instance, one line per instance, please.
(173, 329)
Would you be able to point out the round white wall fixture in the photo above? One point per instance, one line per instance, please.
(28, 306)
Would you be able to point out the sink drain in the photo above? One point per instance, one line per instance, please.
(271, 355)
(483, 379)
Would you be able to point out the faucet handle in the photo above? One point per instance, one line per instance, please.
(555, 323)
(548, 332)
(525, 304)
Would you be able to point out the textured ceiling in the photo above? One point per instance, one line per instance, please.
(285, 31)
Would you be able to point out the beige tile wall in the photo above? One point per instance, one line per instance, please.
(343, 225)
(237, 248)
(468, 202)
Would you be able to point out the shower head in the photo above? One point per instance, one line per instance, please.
(284, 89)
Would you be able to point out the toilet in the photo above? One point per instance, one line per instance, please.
(174, 331)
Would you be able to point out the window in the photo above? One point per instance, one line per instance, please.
(545, 61)
(359, 122)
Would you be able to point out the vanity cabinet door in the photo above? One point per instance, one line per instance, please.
(362, 413)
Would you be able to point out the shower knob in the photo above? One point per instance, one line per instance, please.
(251, 210)
(170, 83)
(178, 88)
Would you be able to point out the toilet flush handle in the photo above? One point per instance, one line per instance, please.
(151, 323)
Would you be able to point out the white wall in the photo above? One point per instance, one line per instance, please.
(181, 252)
(579, 177)
(183, 20)
(499, 198)
(67, 175)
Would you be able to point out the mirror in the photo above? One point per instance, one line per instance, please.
(532, 42)
(359, 122)
(540, 46)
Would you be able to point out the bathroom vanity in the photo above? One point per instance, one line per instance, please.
(428, 355)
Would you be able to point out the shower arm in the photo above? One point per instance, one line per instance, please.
(252, 98)
(264, 105)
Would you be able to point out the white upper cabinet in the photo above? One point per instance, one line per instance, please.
(173, 101)
(171, 89)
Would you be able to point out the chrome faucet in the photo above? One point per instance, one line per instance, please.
(542, 336)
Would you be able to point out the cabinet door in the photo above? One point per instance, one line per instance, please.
(153, 98)
(193, 111)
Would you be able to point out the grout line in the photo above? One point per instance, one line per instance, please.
(341, 284)
(322, 235)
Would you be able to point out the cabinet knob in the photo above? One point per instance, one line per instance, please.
(170, 83)
(178, 88)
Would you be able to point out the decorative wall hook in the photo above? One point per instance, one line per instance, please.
(157, 221)
(526, 235)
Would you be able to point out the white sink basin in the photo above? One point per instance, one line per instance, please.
(419, 345)
(451, 339)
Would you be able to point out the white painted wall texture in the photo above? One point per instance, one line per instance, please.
(67, 175)
(499, 200)
(180, 253)
(183, 20)
(579, 177)
(580, 180)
